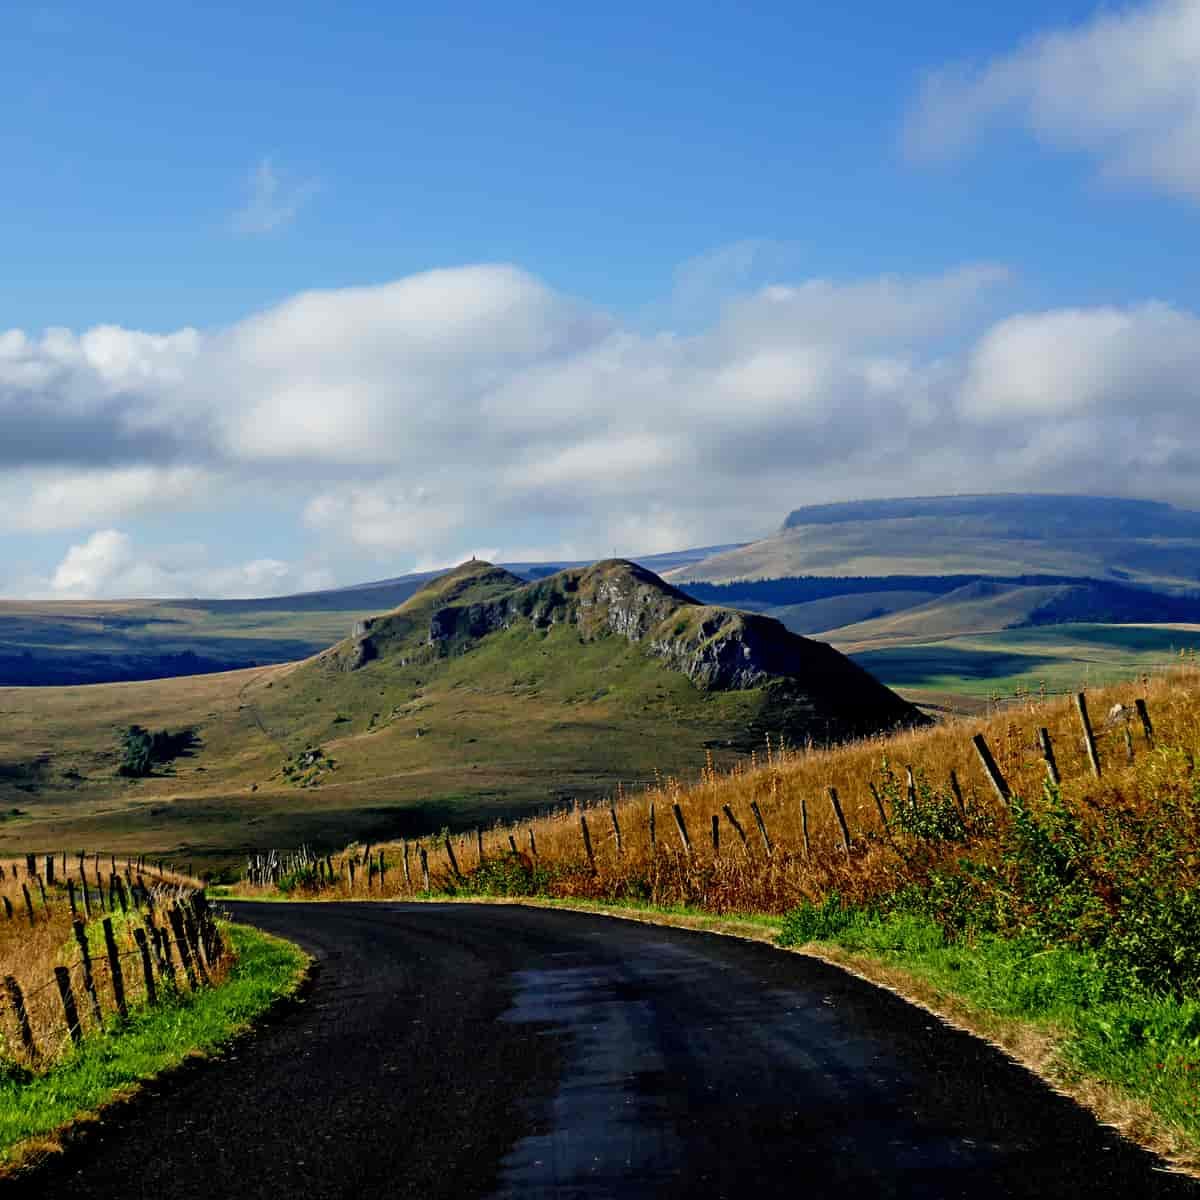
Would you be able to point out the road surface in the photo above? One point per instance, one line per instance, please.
(471, 1051)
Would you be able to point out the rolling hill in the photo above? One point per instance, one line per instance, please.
(481, 696)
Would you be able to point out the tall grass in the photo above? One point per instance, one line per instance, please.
(31, 949)
(923, 842)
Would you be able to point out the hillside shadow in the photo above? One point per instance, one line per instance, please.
(918, 666)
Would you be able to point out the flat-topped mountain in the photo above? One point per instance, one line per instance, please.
(1094, 537)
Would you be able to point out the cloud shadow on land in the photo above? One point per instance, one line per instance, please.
(920, 666)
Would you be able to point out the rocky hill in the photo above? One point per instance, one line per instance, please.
(812, 688)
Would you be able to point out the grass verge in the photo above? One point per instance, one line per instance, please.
(1132, 1059)
(37, 1111)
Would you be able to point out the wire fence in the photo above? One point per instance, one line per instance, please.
(835, 832)
(80, 953)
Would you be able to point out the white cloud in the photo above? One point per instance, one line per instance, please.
(1143, 360)
(1122, 86)
(409, 422)
(273, 199)
(110, 565)
(44, 500)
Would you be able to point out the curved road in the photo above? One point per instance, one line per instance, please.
(466, 1051)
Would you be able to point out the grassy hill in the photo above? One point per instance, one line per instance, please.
(479, 696)
(974, 608)
(1132, 541)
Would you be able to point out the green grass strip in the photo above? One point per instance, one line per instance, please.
(111, 1064)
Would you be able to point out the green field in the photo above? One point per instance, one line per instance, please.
(1060, 658)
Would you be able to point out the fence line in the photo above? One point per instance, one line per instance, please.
(343, 873)
(44, 1023)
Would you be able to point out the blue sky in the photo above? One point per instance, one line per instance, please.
(635, 277)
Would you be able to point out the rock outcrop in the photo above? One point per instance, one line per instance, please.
(718, 649)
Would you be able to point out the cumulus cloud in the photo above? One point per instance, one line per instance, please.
(110, 564)
(273, 199)
(43, 500)
(1122, 86)
(415, 421)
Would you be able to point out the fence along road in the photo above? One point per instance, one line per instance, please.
(457, 1050)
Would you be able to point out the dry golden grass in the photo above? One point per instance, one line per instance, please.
(786, 782)
(36, 936)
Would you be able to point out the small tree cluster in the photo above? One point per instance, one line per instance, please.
(141, 750)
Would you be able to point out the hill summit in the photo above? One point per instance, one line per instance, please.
(718, 649)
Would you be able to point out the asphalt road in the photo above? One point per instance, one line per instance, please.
(473, 1051)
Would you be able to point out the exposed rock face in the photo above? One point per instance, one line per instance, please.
(718, 649)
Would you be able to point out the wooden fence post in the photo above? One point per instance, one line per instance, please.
(887, 829)
(737, 827)
(63, 978)
(512, 844)
(404, 859)
(716, 835)
(139, 936)
(587, 840)
(114, 966)
(50, 870)
(910, 788)
(992, 771)
(479, 842)
(206, 928)
(804, 826)
(532, 844)
(382, 871)
(166, 970)
(71, 898)
(453, 860)
(612, 812)
(841, 820)
(166, 960)
(1089, 738)
(8, 908)
(1048, 757)
(30, 866)
(1147, 729)
(89, 981)
(425, 869)
(653, 844)
(17, 1000)
(683, 833)
(762, 828)
(185, 955)
(192, 933)
(956, 791)
(350, 864)
(28, 902)
(1128, 744)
